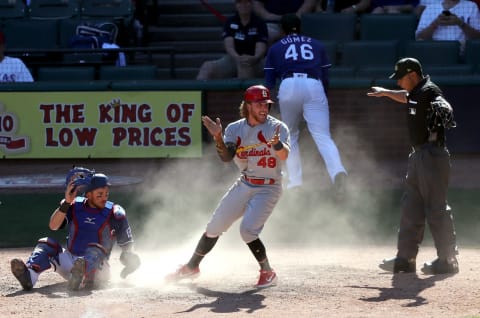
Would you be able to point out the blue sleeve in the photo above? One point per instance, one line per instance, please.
(120, 224)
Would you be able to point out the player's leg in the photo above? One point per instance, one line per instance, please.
(291, 108)
(259, 209)
(97, 269)
(412, 224)
(230, 208)
(317, 116)
(435, 172)
(40, 260)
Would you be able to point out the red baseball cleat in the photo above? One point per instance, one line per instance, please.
(183, 272)
(266, 279)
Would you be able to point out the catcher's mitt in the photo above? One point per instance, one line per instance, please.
(131, 261)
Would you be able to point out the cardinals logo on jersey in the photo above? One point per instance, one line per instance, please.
(250, 150)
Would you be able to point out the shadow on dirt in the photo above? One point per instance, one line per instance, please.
(405, 286)
(227, 302)
(57, 290)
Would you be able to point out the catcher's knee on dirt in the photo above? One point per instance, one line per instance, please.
(95, 258)
(46, 249)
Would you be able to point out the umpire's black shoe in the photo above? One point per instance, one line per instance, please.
(398, 265)
(441, 266)
(21, 273)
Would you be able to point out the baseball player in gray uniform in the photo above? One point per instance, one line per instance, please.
(301, 63)
(258, 144)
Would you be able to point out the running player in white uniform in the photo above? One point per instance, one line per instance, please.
(258, 143)
(301, 63)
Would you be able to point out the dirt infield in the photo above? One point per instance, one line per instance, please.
(329, 280)
(317, 282)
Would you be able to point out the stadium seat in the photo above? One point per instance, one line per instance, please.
(400, 27)
(440, 53)
(375, 72)
(130, 73)
(330, 26)
(331, 48)
(31, 34)
(341, 72)
(369, 57)
(72, 73)
(53, 9)
(449, 70)
(472, 54)
(67, 29)
(106, 8)
(12, 9)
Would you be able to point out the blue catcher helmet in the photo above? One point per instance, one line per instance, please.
(98, 180)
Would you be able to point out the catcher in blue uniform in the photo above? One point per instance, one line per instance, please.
(94, 225)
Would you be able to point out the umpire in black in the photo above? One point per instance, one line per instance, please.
(428, 116)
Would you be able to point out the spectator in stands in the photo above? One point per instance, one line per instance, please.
(422, 5)
(12, 69)
(478, 3)
(393, 6)
(272, 10)
(456, 20)
(245, 39)
(344, 6)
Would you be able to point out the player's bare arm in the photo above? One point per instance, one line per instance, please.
(225, 152)
(58, 216)
(396, 95)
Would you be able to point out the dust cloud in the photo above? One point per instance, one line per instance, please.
(181, 195)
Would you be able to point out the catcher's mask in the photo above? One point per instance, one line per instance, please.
(85, 180)
(81, 178)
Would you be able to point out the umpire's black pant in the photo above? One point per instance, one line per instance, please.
(425, 198)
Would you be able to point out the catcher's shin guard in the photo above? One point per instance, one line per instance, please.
(95, 257)
(45, 249)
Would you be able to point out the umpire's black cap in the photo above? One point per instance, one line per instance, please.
(290, 23)
(405, 66)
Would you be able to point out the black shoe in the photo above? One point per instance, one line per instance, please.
(21, 273)
(398, 265)
(441, 266)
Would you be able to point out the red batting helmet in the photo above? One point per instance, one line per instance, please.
(257, 93)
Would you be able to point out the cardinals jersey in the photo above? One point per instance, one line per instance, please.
(254, 157)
